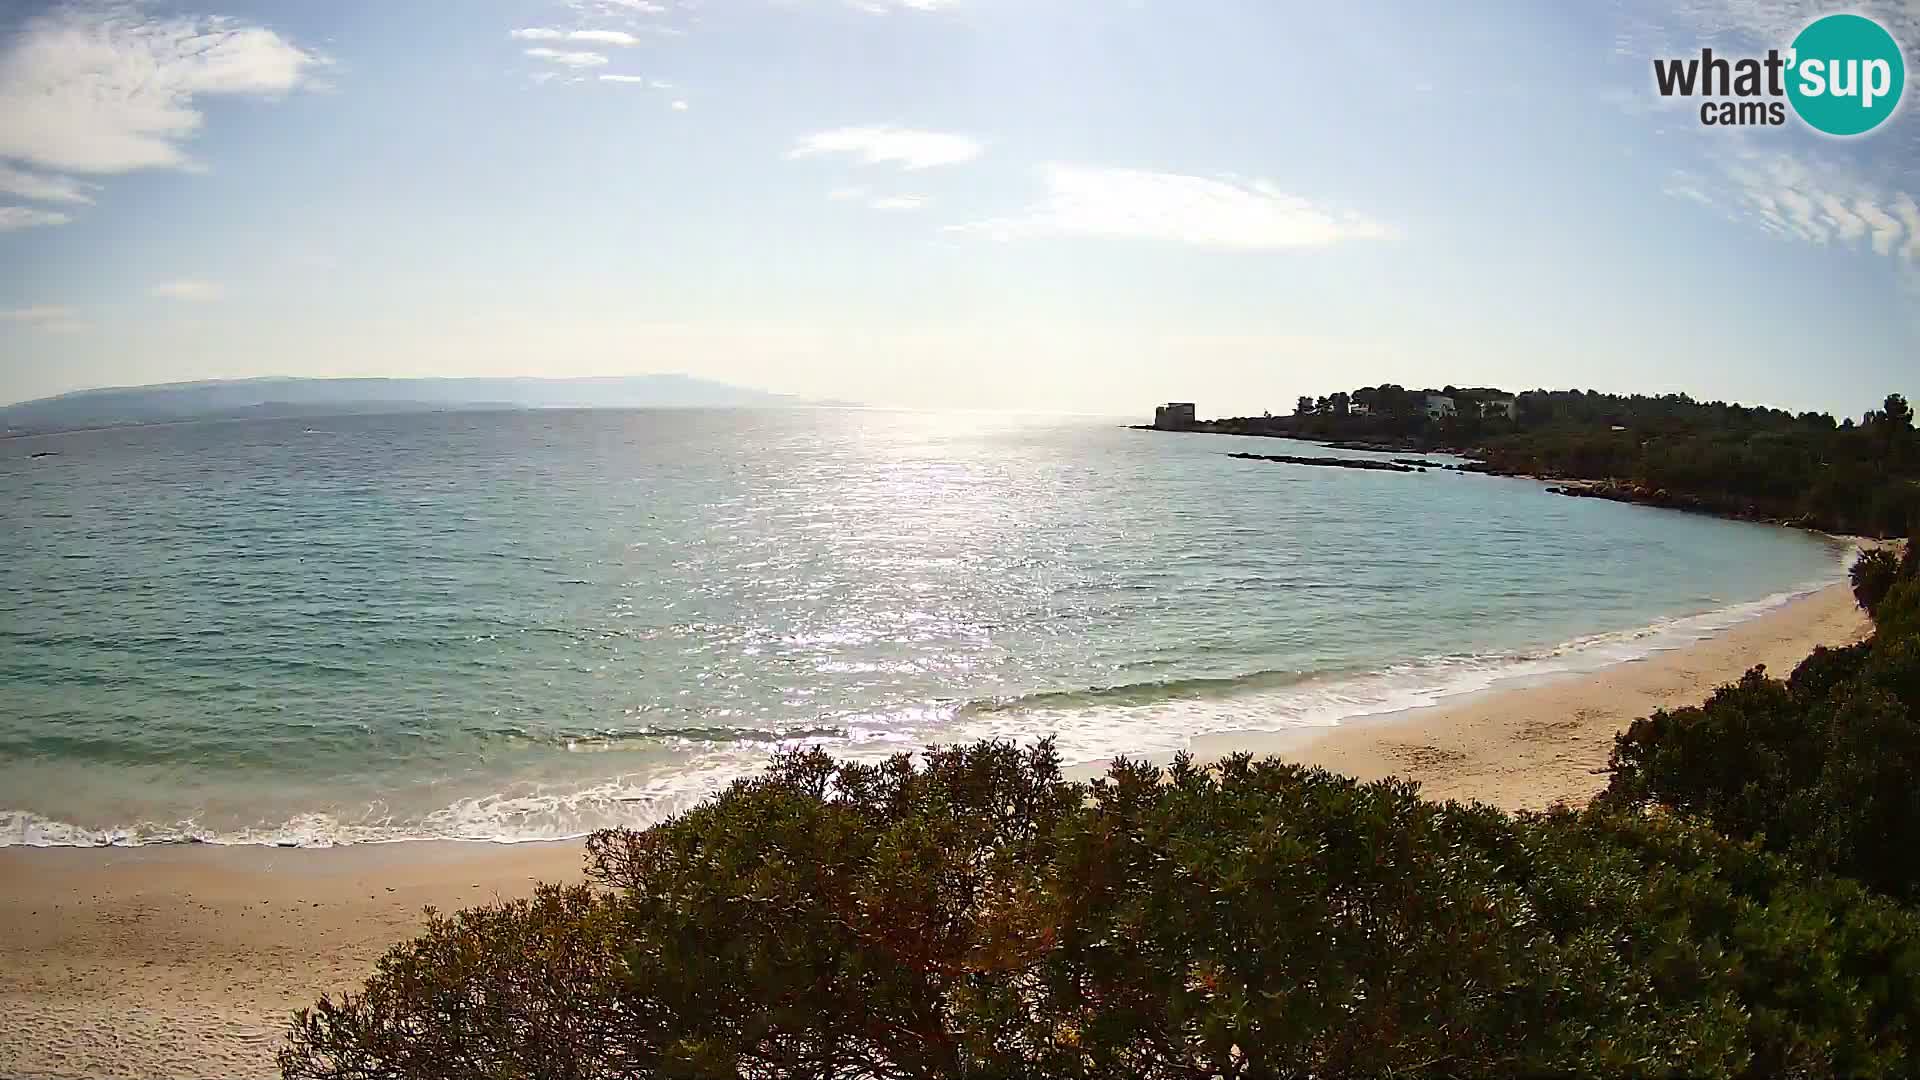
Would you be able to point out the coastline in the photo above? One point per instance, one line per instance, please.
(1529, 746)
(187, 959)
(1478, 461)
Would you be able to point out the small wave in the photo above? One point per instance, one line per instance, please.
(1088, 725)
(1139, 693)
(651, 738)
(533, 816)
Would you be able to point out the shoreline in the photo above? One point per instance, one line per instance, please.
(187, 959)
(1537, 742)
(1571, 659)
(1479, 463)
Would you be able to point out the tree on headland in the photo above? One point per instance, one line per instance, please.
(1715, 456)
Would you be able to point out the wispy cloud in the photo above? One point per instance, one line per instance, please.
(26, 217)
(42, 314)
(1819, 202)
(643, 81)
(605, 37)
(567, 58)
(1775, 22)
(1195, 210)
(597, 37)
(43, 187)
(189, 289)
(46, 318)
(605, 8)
(114, 87)
(899, 202)
(890, 145)
(886, 7)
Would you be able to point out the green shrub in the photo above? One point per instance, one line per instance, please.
(1872, 575)
(1820, 767)
(1898, 615)
(980, 916)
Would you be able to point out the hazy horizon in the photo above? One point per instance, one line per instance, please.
(1080, 207)
(795, 400)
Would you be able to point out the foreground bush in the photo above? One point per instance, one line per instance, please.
(1821, 767)
(980, 916)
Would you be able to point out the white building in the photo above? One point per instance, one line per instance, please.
(1439, 405)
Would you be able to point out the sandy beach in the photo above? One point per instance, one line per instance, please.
(185, 961)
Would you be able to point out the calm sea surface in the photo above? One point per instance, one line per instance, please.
(518, 625)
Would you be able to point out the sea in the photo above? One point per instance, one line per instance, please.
(522, 625)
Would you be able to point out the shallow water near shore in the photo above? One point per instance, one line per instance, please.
(510, 626)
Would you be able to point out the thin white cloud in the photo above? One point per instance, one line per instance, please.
(189, 289)
(1909, 215)
(1819, 202)
(1775, 22)
(890, 145)
(597, 37)
(1882, 228)
(679, 106)
(887, 7)
(43, 187)
(114, 87)
(1195, 210)
(847, 194)
(45, 319)
(617, 7)
(45, 313)
(605, 37)
(567, 58)
(634, 79)
(26, 217)
(899, 202)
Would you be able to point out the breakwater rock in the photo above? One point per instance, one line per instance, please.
(1643, 495)
(1328, 462)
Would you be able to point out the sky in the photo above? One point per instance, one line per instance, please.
(1073, 205)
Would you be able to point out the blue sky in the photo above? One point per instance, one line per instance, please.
(1084, 205)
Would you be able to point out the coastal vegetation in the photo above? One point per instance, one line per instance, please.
(1851, 476)
(1819, 766)
(1739, 902)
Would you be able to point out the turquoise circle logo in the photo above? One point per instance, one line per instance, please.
(1847, 75)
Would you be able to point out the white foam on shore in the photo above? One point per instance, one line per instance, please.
(1083, 734)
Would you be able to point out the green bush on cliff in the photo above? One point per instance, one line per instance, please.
(977, 915)
(1820, 767)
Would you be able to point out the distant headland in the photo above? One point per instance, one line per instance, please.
(1756, 463)
(274, 398)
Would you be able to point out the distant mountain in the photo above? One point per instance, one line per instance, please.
(273, 397)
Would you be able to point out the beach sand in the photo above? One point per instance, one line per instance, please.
(185, 961)
(1529, 747)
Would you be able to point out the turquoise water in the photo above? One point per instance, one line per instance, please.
(520, 625)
